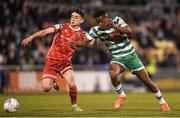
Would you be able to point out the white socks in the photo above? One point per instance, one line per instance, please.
(74, 105)
(159, 97)
(120, 90)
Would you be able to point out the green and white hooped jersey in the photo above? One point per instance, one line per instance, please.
(118, 49)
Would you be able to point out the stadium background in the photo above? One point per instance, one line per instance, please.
(156, 28)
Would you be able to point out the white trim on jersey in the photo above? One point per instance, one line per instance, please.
(122, 55)
(114, 46)
(124, 49)
(138, 69)
(58, 26)
(121, 22)
(49, 76)
(123, 25)
(118, 63)
(107, 31)
(89, 37)
(109, 42)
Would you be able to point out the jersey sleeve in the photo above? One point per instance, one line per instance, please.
(92, 34)
(57, 27)
(119, 21)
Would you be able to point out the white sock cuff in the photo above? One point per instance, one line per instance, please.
(162, 101)
(118, 87)
(74, 105)
(158, 94)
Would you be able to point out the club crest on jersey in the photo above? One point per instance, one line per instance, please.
(65, 31)
(77, 36)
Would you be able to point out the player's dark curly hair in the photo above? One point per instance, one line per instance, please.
(80, 12)
(99, 12)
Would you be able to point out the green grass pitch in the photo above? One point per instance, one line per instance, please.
(93, 104)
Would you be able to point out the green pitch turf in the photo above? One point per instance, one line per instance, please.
(93, 104)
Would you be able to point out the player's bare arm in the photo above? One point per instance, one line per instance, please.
(83, 42)
(93, 43)
(37, 35)
(124, 29)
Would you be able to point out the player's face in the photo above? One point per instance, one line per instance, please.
(76, 19)
(103, 21)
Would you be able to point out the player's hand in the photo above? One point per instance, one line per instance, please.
(26, 41)
(72, 44)
(115, 36)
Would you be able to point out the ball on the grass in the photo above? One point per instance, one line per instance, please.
(11, 105)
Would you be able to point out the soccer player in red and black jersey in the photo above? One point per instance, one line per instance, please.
(58, 60)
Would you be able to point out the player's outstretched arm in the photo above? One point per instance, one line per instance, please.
(92, 43)
(37, 35)
(126, 29)
(80, 43)
(83, 42)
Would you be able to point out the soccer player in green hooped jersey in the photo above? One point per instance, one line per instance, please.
(113, 32)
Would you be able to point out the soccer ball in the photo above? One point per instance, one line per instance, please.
(11, 105)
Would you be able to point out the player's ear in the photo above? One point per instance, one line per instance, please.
(82, 20)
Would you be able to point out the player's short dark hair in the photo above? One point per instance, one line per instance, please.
(99, 13)
(80, 12)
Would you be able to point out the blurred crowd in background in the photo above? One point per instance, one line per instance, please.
(155, 24)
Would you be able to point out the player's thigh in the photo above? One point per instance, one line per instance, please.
(115, 69)
(116, 66)
(49, 73)
(69, 78)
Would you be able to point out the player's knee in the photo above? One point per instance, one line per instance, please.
(46, 88)
(72, 85)
(113, 74)
(47, 84)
